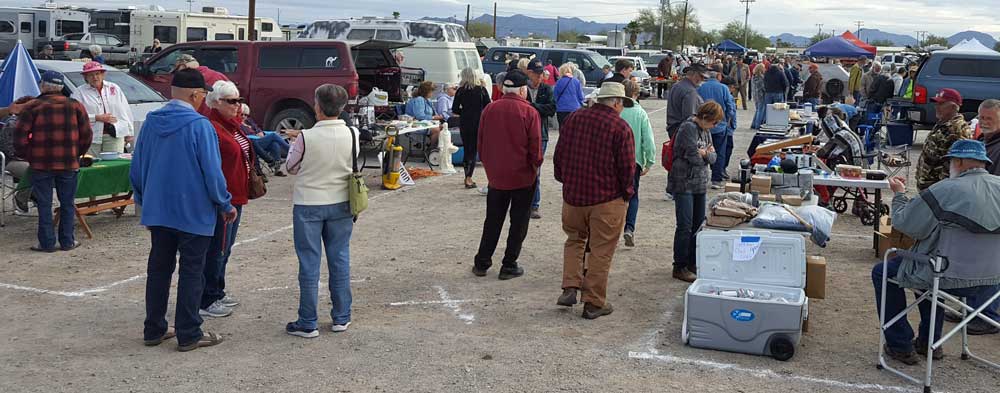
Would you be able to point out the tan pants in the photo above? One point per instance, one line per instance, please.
(107, 144)
(601, 225)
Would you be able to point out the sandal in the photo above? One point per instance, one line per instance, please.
(171, 333)
(207, 340)
(471, 186)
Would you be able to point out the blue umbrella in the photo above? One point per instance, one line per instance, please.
(19, 77)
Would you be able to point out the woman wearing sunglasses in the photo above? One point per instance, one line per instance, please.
(688, 181)
(238, 159)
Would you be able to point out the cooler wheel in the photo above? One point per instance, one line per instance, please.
(782, 348)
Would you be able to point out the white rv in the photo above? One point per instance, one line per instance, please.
(212, 24)
(441, 49)
(32, 26)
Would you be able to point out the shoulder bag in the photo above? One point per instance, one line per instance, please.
(358, 194)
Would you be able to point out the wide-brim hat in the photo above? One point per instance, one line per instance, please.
(93, 66)
(697, 67)
(615, 90)
(970, 150)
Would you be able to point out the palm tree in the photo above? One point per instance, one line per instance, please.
(395, 15)
(633, 30)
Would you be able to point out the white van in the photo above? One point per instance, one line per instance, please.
(212, 24)
(441, 49)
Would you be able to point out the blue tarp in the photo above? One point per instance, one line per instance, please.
(836, 47)
(730, 46)
(19, 77)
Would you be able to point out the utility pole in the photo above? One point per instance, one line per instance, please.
(663, 18)
(920, 37)
(859, 23)
(557, 30)
(494, 21)
(251, 33)
(468, 9)
(746, 21)
(190, 5)
(685, 26)
(819, 27)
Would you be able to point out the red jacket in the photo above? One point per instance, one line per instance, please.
(211, 76)
(553, 74)
(510, 143)
(235, 161)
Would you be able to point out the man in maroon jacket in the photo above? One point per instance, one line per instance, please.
(595, 162)
(510, 147)
(52, 133)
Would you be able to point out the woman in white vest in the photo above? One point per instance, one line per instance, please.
(320, 158)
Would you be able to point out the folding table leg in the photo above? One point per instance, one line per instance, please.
(83, 223)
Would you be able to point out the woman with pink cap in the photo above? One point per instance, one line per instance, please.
(107, 107)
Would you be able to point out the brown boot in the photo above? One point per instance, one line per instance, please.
(685, 275)
(568, 297)
(591, 311)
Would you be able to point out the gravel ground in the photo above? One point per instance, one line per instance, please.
(422, 321)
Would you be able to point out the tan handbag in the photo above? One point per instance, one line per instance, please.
(358, 194)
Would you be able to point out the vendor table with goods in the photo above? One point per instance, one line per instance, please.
(865, 184)
(107, 180)
(375, 135)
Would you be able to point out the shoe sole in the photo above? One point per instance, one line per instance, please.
(566, 304)
(312, 334)
(335, 329)
(508, 276)
(208, 314)
(587, 315)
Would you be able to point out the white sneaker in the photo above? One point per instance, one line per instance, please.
(483, 190)
(668, 196)
(340, 328)
(216, 310)
(229, 301)
(717, 185)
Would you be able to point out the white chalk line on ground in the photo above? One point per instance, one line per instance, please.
(430, 302)
(104, 288)
(446, 300)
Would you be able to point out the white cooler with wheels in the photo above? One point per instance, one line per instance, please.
(749, 295)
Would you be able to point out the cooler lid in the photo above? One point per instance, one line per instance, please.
(753, 257)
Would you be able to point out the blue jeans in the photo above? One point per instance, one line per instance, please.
(536, 201)
(64, 182)
(899, 336)
(319, 228)
(857, 98)
(719, 141)
(992, 311)
(633, 204)
(166, 244)
(728, 152)
(271, 147)
(217, 258)
(690, 212)
(758, 116)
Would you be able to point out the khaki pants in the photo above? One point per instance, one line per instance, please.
(107, 144)
(601, 225)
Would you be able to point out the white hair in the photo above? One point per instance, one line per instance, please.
(470, 77)
(220, 90)
(96, 50)
(990, 104)
(245, 109)
(515, 90)
(47, 87)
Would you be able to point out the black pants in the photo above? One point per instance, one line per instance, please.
(561, 117)
(470, 148)
(498, 202)
(166, 244)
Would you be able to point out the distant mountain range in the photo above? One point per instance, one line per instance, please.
(521, 25)
(869, 35)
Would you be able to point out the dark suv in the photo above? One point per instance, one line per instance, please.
(591, 63)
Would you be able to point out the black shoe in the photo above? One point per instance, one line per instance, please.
(509, 273)
(40, 249)
(921, 348)
(952, 316)
(907, 358)
(298, 331)
(629, 239)
(479, 272)
(591, 311)
(979, 327)
(568, 297)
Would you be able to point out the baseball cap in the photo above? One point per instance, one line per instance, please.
(189, 79)
(53, 77)
(948, 95)
(969, 149)
(698, 68)
(535, 65)
(515, 78)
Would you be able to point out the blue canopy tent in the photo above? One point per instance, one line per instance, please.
(836, 47)
(730, 46)
(19, 77)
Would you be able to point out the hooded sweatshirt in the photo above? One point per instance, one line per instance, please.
(177, 171)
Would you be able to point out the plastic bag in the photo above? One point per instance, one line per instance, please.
(378, 97)
(776, 216)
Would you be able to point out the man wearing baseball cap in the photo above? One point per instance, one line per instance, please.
(177, 180)
(541, 97)
(955, 217)
(211, 76)
(951, 126)
(52, 133)
(683, 99)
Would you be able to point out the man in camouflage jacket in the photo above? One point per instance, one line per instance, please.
(951, 126)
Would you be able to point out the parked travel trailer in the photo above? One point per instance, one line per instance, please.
(212, 24)
(35, 25)
(441, 49)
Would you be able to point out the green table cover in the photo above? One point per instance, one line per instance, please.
(101, 179)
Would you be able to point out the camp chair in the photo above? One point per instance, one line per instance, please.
(942, 266)
(4, 193)
(894, 149)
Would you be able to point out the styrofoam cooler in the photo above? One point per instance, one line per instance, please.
(770, 323)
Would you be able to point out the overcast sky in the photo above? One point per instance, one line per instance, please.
(941, 17)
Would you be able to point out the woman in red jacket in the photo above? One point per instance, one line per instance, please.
(238, 159)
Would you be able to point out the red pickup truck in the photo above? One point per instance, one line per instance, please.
(278, 79)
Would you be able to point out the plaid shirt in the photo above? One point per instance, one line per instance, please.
(595, 157)
(52, 133)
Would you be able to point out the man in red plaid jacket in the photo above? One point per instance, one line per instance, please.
(52, 132)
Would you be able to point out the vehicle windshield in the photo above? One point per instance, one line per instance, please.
(136, 92)
(72, 37)
(599, 61)
(655, 59)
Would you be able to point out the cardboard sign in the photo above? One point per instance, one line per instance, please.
(404, 177)
(745, 249)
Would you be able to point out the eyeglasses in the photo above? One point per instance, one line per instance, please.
(232, 101)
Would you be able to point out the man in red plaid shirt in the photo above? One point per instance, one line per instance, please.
(595, 161)
(52, 132)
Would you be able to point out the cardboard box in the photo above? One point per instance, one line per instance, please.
(798, 141)
(793, 200)
(767, 198)
(816, 277)
(722, 221)
(889, 237)
(760, 184)
(732, 187)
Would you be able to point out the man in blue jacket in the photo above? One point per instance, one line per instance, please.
(177, 180)
(713, 90)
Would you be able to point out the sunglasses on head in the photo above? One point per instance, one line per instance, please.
(232, 101)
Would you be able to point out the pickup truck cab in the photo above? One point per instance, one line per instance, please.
(278, 79)
(75, 46)
(975, 74)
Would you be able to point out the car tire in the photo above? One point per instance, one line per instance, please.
(293, 119)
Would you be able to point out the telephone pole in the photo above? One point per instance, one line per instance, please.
(494, 21)
(819, 26)
(557, 29)
(468, 9)
(251, 33)
(684, 27)
(664, 5)
(859, 23)
(920, 37)
(746, 21)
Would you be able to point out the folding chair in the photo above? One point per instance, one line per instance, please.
(942, 266)
(894, 150)
(4, 195)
